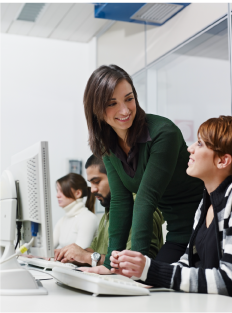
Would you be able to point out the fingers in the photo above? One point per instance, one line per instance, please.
(129, 253)
(127, 263)
(114, 264)
(114, 257)
(64, 260)
(89, 269)
(139, 260)
(56, 253)
(124, 272)
(115, 254)
(69, 252)
(113, 260)
(69, 256)
(83, 269)
(116, 271)
(61, 254)
(97, 269)
(130, 273)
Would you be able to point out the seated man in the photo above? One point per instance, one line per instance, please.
(97, 176)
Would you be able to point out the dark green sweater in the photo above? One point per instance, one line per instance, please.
(160, 181)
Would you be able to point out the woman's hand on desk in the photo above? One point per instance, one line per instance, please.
(101, 269)
(127, 263)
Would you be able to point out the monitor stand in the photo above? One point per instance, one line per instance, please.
(15, 280)
(20, 282)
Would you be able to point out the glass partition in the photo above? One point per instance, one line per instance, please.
(192, 84)
(140, 83)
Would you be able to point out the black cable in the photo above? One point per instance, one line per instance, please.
(19, 226)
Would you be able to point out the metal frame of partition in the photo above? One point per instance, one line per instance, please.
(182, 44)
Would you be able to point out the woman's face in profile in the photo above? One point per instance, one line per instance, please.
(121, 110)
(201, 160)
(62, 200)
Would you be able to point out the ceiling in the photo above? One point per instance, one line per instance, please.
(62, 21)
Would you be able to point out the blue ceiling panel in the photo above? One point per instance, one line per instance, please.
(143, 13)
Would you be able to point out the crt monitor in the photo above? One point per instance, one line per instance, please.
(26, 197)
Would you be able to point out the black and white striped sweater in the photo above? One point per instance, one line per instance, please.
(186, 275)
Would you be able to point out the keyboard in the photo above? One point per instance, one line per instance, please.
(45, 264)
(99, 284)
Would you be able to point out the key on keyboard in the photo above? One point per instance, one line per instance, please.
(45, 263)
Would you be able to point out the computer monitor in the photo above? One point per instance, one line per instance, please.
(25, 196)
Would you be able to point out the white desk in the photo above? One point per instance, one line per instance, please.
(65, 299)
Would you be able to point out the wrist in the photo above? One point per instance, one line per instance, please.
(102, 259)
(146, 268)
(87, 258)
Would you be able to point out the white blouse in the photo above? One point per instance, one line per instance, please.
(79, 226)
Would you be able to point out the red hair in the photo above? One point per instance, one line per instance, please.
(217, 134)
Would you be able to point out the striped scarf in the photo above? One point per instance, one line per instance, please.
(186, 274)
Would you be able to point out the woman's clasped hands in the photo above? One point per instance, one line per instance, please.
(127, 263)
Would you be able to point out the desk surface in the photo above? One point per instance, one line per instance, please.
(65, 299)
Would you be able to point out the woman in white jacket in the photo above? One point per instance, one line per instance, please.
(79, 224)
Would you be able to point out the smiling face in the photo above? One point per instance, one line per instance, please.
(62, 200)
(202, 163)
(121, 110)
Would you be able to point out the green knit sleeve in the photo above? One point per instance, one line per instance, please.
(121, 211)
(157, 235)
(160, 167)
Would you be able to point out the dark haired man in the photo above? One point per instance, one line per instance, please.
(95, 254)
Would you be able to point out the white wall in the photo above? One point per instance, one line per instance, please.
(42, 83)
(124, 43)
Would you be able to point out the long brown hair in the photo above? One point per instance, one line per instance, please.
(98, 92)
(75, 182)
(217, 134)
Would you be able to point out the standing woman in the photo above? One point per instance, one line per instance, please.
(143, 154)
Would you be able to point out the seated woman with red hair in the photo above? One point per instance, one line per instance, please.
(206, 266)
